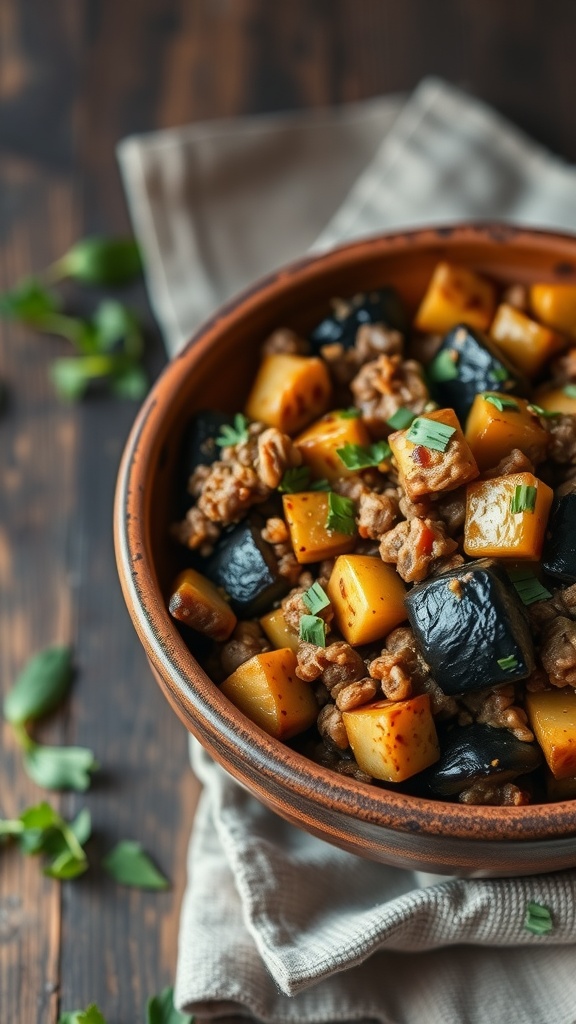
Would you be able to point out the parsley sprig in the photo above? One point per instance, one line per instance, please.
(341, 514)
(356, 456)
(298, 479)
(230, 436)
(160, 1009)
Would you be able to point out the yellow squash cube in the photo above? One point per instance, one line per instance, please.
(424, 470)
(455, 295)
(199, 604)
(278, 631)
(321, 441)
(555, 305)
(306, 515)
(289, 392)
(367, 597)
(492, 527)
(393, 740)
(552, 716)
(528, 344)
(492, 431)
(558, 400)
(267, 690)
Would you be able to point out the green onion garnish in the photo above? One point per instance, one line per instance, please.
(538, 919)
(539, 411)
(355, 456)
(570, 390)
(523, 499)
(431, 434)
(350, 414)
(229, 436)
(341, 512)
(499, 374)
(444, 366)
(316, 598)
(401, 419)
(313, 630)
(528, 586)
(508, 662)
(502, 403)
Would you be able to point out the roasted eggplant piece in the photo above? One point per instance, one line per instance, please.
(471, 627)
(199, 446)
(467, 363)
(245, 566)
(477, 752)
(560, 544)
(378, 307)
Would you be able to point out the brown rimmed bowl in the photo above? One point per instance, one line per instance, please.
(214, 371)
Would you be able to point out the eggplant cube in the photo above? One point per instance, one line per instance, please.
(378, 307)
(478, 752)
(198, 448)
(471, 627)
(245, 566)
(560, 544)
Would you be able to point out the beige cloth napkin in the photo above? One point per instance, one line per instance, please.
(276, 924)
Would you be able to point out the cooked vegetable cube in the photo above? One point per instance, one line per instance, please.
(526, 343)
(200, 605)
(506, 516)
(552, 716)
(382, 306)
(555, 305)
(558, 399)
(498, 423)
(433, 455)
(367, 597)
(471, 627)
(320, 442)
(559, 558)
(467, 363)
(476, 752)
(289, 392)
(392, 740)
(455, 295)
(246, 567)
(278, 631)
(198, 448)
(307, 515)
(267, 690)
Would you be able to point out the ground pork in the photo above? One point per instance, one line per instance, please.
(564, 368)
(246, 641)
(558, 651)
(514, 462)
(337, 663)
(294, 607)
(452, 510)
(196, 531)
(496, 707)
(414, 546)
(377, 514)
(386, 384)
(391, 670)
(505, 794)
(354, 695)
(338, 760)
(374, 340)
(285, 342)
(276, 454)
(331, 726)
(562, 430)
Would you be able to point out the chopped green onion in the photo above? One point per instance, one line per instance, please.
(444, 366)
(229, 436)
(295, 480)
(313, 630)
(316, 598)
(508, 662)
(431, 434)
(570, 390)
(539, 411)
(350, 414)
(523, 499)
(502, 403)
(528, 586)
(538, 919)
(499, 374)
(355, 456)
(401, 419)
(341, 512)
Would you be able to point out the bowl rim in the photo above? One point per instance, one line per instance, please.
(190, 691)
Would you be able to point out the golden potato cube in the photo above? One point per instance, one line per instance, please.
(279, 633)
(552, 717)
(393, 740)
(426, 471)
(492, 433)
(306, 515)
(555, 305)
(289, 392)
(528, 344)
(455, 295)
(200, 605)
(494, 530)
(558, 400)
(320, 442)
(267, 690)
(367, 597)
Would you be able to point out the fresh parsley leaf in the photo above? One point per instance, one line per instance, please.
(523, 499)
(45, 831)
(316, 598)
(91, 1015)
(128, 864)
(313, 630)
(538, 919)
(502, 403)
(230, 436)
(161, 1010)
(570, 390)
(99, 261)
(41, 686)
(59, 767)
(430, 434)
(28, 302)
(401, 419)
(320, 485)
(341, 513)
(355, 456)
(114, 322)
(131, 383)
(509, 662)
(66, 866)
(528, 586)
(350, 414)
(499, 374)
(539, 411)
(444, 366)
(72, 375)
(10, 828)
(295, 480)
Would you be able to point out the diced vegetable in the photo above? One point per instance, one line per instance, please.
(278, 631)
(320, 442)
(267, 690)
(528, 344)
(471, 627)
(200, 605)
(498, 423)
(367, 597)
(476, 752)
(289, 392)
(382, 306)
(306, 515)
(557, 399)
(559, 558)
(555, 305)
(392, 740)
(552, 716)
(506, 516)
(455, 294)
(438, 459)
(198, 448)
(246, 568)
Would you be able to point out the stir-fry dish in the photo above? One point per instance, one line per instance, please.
(381, 562)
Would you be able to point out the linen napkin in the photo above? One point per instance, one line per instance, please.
(276, 924)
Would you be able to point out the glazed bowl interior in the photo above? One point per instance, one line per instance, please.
(215, 371)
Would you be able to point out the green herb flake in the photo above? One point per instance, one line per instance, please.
(502, 403)
(316, 598)
(570, 390)
(539, 411)
(538, 919)
(161, 1010)
(128, 864)
(499, 374)
(350, 414)
(431, 434)
(355, 456)
(523, 499)
(313, 630)
(510, 662)
(230, 436)
(59, 767)
(401, 419)
(99, 261)
(444, 366)
(528, 586)
(341, 514)
(41, 686)
(91, 1015)
(295, 480)
(320, 485)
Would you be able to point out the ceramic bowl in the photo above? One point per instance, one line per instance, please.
(215, 370)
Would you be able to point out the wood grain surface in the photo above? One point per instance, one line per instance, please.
(75, 77)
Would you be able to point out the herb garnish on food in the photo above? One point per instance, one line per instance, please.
(229, 436)
(316, 598)
(502, 403)
(528, 586)
(444, 366)
(356, 456)
(508, 662)
(523, 499)
(313, 630)
(298, 479)
(430, 434)
(341, 513)
(538, 919)
(401, 419)
(350, 414)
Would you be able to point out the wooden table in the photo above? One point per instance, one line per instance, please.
(76, 76)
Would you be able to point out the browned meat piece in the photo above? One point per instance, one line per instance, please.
(331, 726)
(562, 603)
(568, 485)
(294, 608)
(562, 439)
(422, 509)
(229, 491)
(285, 342)
(558, 651)
(414, 546)
(385, 385)
(496, 707)
(515, 462)
(452, 510)
(246, 641)
(354, 695)
(276, 454)
(275, 531)
(342, 363)
(325, 571)
(486, 792)
(393, 674)
(197, 480)
(377, 514)
(351, 487)
(402, 642)
(196, 531)
(445, 564)
(375, 340)
(516, 295)
(337, 663)
(564, 368)
(441, 705)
